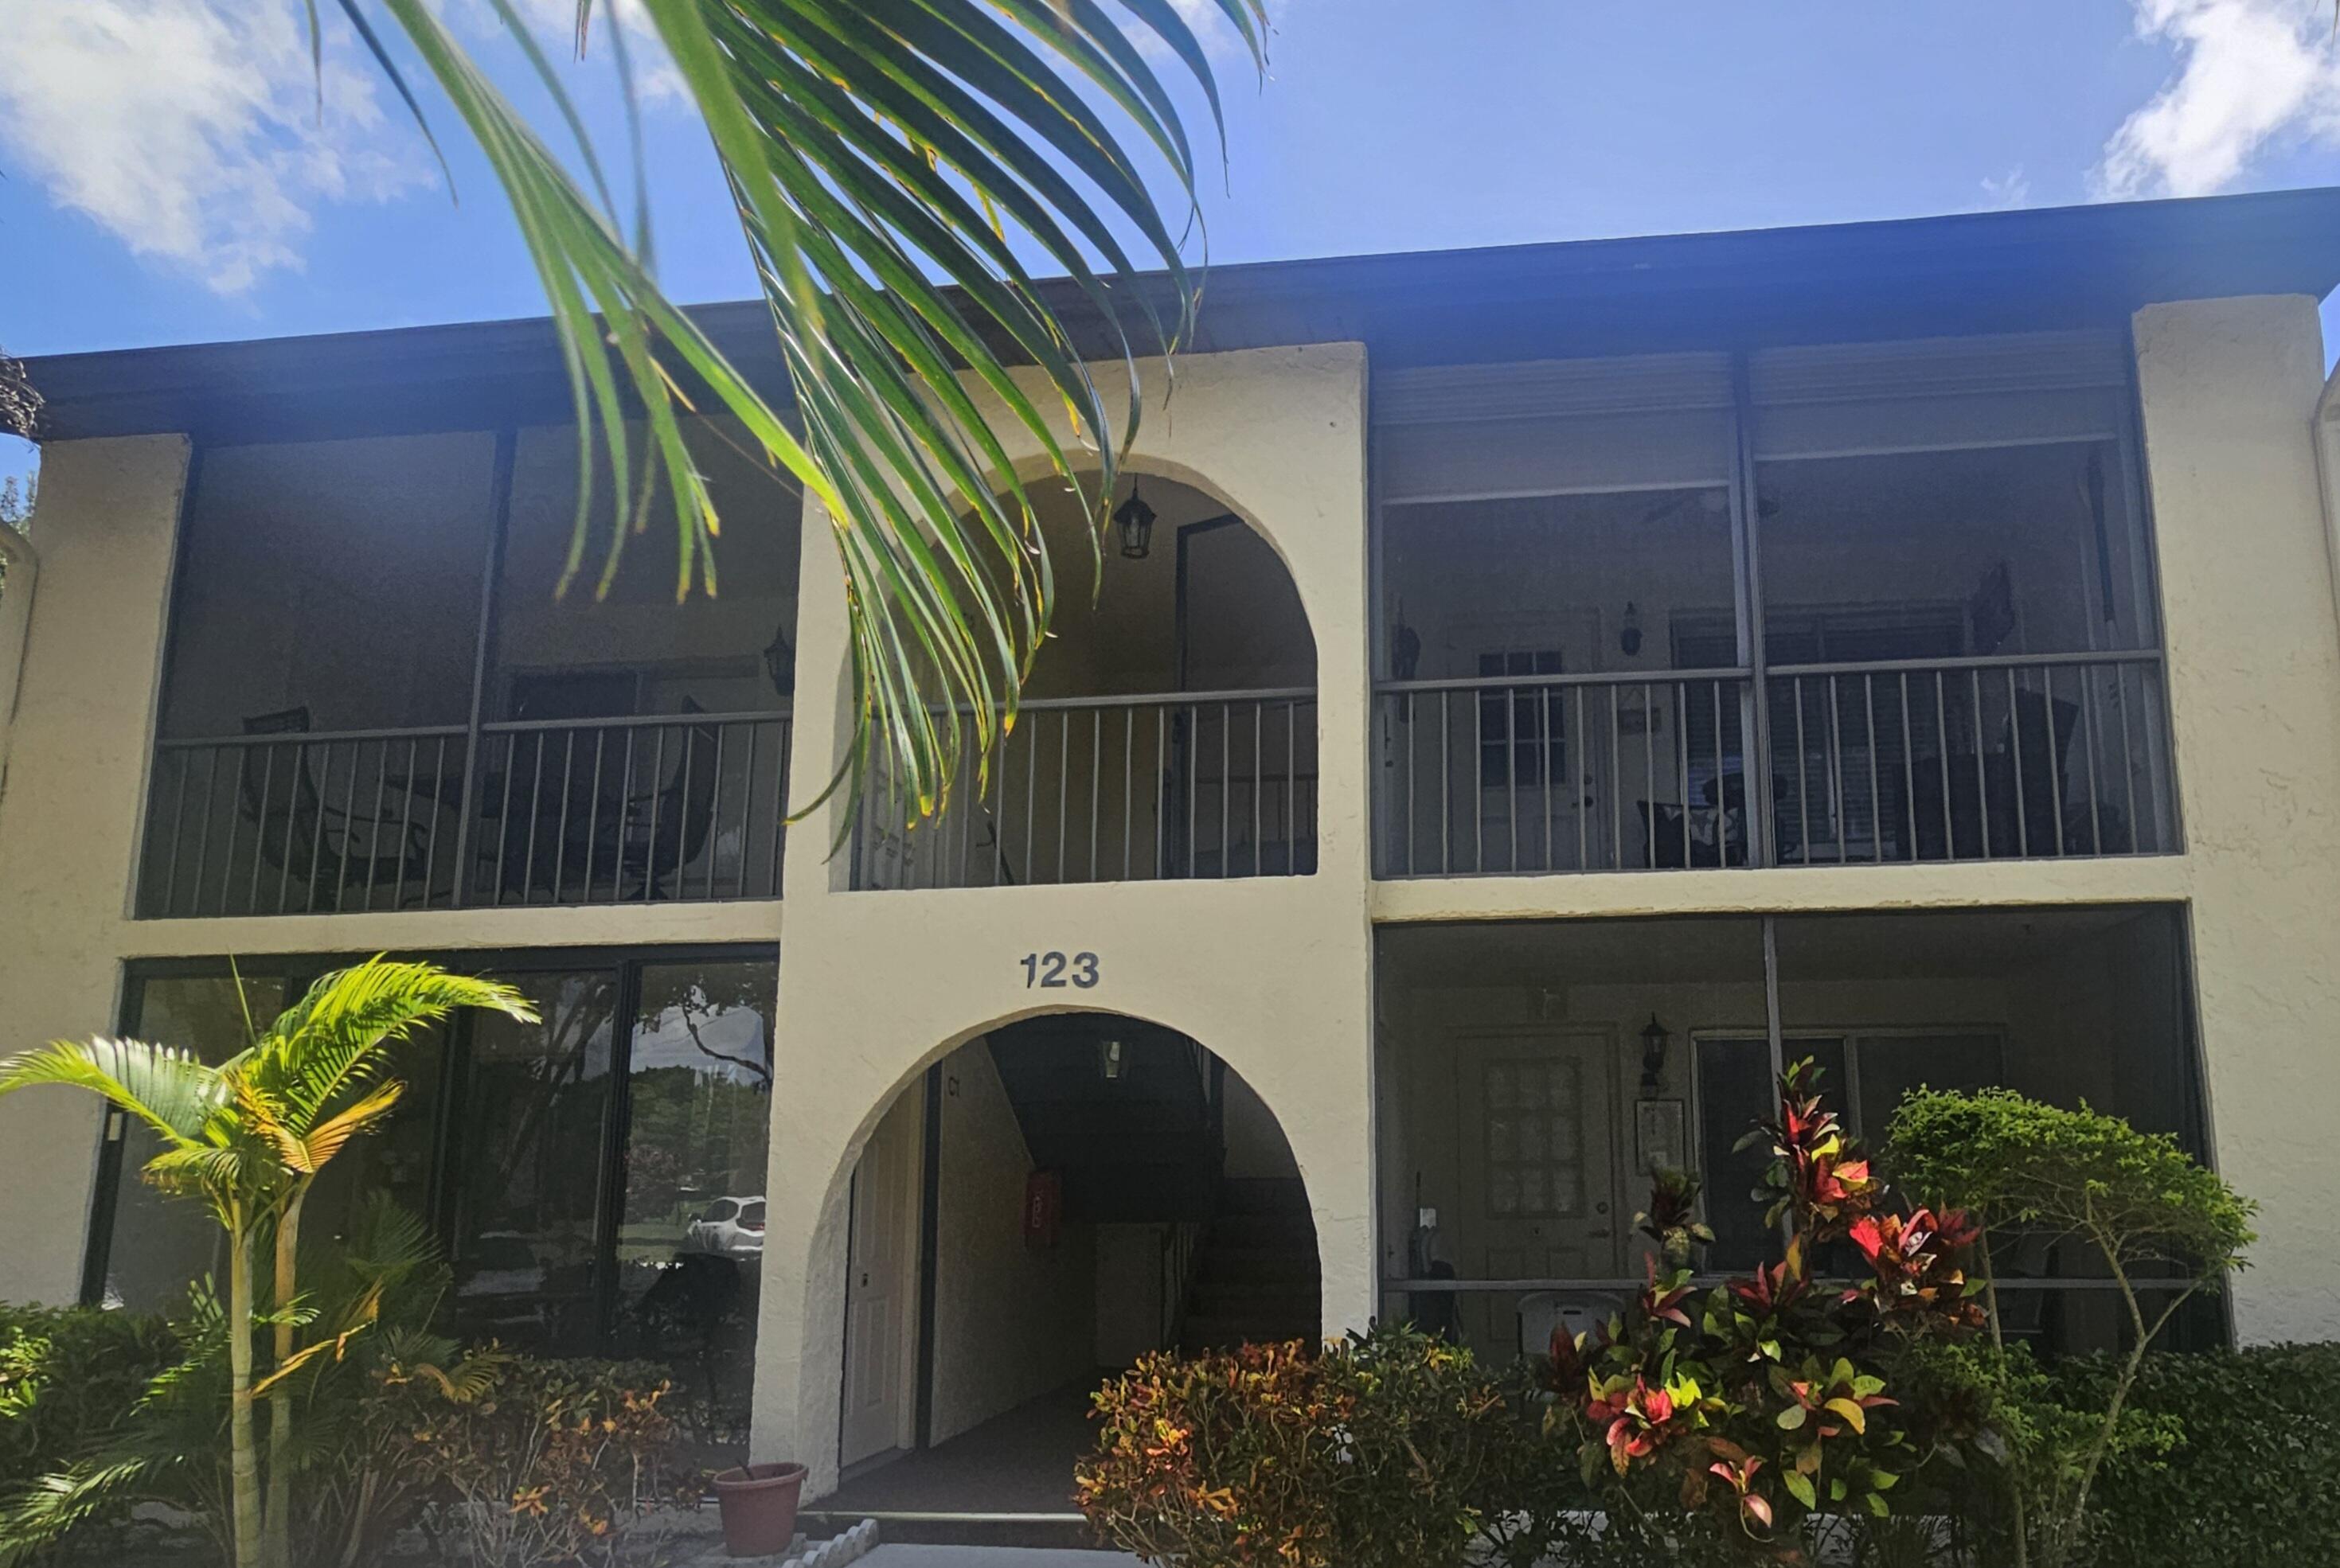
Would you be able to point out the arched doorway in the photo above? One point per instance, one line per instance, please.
(1044, 1205)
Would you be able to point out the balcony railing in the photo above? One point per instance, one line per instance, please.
(607, 810)
(1993, 758)
(1202, 785)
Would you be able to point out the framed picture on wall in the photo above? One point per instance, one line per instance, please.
(1661, 1136)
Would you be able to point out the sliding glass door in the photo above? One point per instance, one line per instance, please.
(596, 1179)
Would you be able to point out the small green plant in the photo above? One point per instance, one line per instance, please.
(159, 1432)
(2164, 1226)
(1386, 1450)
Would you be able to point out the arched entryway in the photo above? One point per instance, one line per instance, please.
(1043, 1206)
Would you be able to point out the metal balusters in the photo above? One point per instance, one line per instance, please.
(1204, 781)
(2022, 772)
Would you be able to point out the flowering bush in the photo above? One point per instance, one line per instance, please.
(1765, 1401)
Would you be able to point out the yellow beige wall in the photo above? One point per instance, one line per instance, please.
(76, 766)
(2228, 389)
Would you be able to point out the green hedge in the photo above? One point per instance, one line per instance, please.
(2255, 1477)
(68, 1378)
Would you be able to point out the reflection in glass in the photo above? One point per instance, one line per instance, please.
(527, 1170)
(159, 1246)
(690, 1238)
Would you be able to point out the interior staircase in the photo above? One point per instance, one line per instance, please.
(1256, 1276)
(1130, 1118)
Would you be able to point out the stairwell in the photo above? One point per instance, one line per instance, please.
(1255, 1275)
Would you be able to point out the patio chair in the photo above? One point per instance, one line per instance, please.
(309, 843)
(663, 831)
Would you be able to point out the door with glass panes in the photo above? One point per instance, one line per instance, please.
(1538, 1181)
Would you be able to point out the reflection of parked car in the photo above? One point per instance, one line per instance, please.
(729, 1228)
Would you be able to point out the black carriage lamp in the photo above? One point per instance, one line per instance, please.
(1135, 520)
(1655, 1038)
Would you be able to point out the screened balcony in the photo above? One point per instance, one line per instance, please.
(374, 700)
(1169, 731)
(1880, 603)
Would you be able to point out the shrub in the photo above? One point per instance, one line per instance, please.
(2251, 1474)
(2148, 1209)
(1388, 1448)
(1732, 1422)
(526, 1462)
(69, 1380)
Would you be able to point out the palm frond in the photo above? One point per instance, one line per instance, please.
(208, 1169)
(327, 1137)
(330, 1044)
(45, 1512)
(166, 1088)
(892, 163)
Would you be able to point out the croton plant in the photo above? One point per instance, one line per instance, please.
(1763, 1398)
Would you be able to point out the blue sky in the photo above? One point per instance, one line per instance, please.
(166, 179)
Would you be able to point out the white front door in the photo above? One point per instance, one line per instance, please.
(1538, 1179)
(880, 1288)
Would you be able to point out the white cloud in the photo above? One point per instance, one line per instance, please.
(2249, 72)
(188, 129)
(656, 79)
(2010, 190)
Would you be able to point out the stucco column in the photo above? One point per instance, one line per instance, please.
(2229, 388)
(1271, 973)
(69, 812)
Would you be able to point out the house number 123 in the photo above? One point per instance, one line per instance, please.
(1048, 971)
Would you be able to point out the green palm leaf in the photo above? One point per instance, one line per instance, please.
(165, 1088)
(328, 1045)
(893, 164)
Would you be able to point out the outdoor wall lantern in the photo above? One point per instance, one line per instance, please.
(1109, 1060)
(1135, 518)
(1655, 1038)
(1628, 631)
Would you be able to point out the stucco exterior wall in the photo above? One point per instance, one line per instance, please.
(2228, 389)
(68, 818)
(1274, 974)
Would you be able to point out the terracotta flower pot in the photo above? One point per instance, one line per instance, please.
(759, 1503)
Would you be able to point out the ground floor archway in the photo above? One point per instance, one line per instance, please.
(1039, 1208)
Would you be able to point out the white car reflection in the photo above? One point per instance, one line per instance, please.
(729, 1228)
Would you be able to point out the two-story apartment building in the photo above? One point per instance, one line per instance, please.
(1557, 684)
